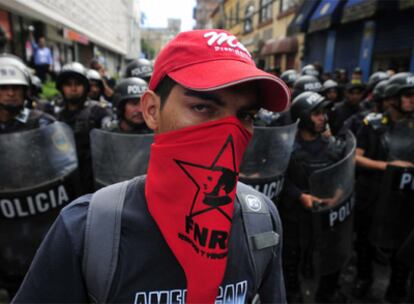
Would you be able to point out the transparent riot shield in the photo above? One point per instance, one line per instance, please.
(118, 157)
(38, 177)
(267, 158)
(331, 222)
(394, 214)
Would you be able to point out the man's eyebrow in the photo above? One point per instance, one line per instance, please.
(205, 96)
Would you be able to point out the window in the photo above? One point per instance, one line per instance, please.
(265, 10)
(248, 18)
(287, 4)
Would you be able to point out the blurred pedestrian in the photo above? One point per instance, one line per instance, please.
(108, 82)
(42, 55)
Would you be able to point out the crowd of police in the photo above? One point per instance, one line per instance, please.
(363, 205)
(338, 164)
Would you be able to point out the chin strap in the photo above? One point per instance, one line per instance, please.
(12, 109)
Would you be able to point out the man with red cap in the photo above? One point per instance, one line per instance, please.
(183, 236)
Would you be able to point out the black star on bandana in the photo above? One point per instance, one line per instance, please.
(214, 182)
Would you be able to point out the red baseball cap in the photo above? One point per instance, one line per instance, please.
(205, 60)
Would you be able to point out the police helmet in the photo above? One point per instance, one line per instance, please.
(75, 70)
(141, 68)
(303, 105)
(375, 78)
(289, 77)
(310, 70)
(378, 93)
(93, 75)
(129, 88)
(329, 84)
(306, 83)
(399, 82)
(13, 71)
(36, 85)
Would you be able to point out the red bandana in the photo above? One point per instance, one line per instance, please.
(190, 190)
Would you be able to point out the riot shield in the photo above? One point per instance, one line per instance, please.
(394, 214)
(37, 178)
(118, 157)
(267, 158)
(331, 222)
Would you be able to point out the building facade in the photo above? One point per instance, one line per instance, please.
(261, 25)
(371, 34)
(156, 38)
(75, 30)
(202, 12)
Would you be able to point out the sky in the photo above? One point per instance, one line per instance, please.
(158, 11)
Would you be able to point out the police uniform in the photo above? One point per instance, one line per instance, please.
(89, 114)
(306, 158)
(340, 113)
(371, 139)
(82, 122)
(26, 120)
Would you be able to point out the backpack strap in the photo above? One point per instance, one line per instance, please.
(100, 254)
(260, 229)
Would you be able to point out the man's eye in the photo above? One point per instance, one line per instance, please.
(201, 108)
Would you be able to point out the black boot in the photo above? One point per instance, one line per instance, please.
(363, 281)
(291, 273)
(397, 288)
(328, 290)
(307, 268)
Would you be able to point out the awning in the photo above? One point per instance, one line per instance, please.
(359, 9)
(325, 15)
(280, 45)
(300, 22)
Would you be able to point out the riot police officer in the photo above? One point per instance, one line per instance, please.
(375, 78)
(354, 95)
(310, 70)
(97, 88)
(374, 156)
(15, 119)
(35, 100)
(289, 77)
(14, 90)
(306, 83)
(79, 115)
(330, 90)
(311, 151)
(127, 97)
(141, 68)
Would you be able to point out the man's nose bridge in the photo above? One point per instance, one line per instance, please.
(10, 90)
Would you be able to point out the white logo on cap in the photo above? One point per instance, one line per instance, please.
(139, 70)
(313, 99)
(410, 80)
(253, 202)
(136, 89)
(312, 86)
(220, 38)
